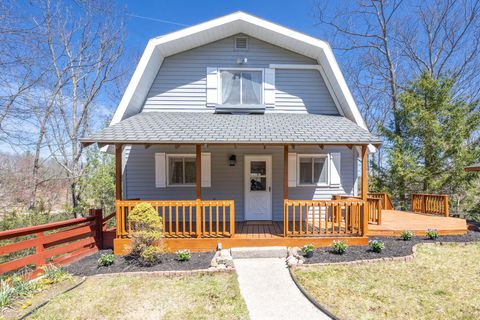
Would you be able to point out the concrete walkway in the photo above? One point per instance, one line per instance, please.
(270, 293)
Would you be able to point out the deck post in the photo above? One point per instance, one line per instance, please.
(285, 189)
(118, 189)
(198, 189)
(365, 189)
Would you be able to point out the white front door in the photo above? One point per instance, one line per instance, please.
(258, 187)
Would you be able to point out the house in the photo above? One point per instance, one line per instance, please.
(240, 131)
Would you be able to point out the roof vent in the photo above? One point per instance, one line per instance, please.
(241, 43)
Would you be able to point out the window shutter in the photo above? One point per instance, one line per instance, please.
(292, 170)
(206, 170)
(335, 160)
(269, 88)
(212, 87)
(160, 175)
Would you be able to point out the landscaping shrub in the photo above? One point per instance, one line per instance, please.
(183, 255)
(377, 246)
(339, 247)
(432, 234)
(146, 229)
(106, 260)
(308, 250)
(407, 235)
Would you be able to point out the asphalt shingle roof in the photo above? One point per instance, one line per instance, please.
(284, 128)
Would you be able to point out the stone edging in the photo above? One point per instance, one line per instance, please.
(167, 272)
(404, 258)
(365, 261)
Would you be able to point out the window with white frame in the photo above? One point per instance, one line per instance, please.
(181, 170)
(241, 87)
(312, 170)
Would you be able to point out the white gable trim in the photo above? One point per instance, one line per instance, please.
(239, 22)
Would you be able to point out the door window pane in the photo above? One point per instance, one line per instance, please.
(258, 167)
(258, 175)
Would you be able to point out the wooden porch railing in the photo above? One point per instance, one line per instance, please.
(374, 207)
(430, 203)
(185, 218)
(323, 217)
(387, 203)
(56, 243)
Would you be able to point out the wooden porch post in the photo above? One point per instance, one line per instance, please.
(198, 188)
(118, 191)
(285, 189)
(365, 189)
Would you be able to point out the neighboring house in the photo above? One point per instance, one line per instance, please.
(474, 167)
(240, 120)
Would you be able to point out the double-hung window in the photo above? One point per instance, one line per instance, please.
(313, 170)
(241, 87)
(181, 170)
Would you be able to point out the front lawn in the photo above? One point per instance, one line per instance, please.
(150, 296)
(442, 282)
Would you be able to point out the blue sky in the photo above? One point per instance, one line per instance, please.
(298, 15)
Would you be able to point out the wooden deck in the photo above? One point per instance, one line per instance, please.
(252, 234)
(394, 222)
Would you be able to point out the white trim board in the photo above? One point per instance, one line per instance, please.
(238, 22)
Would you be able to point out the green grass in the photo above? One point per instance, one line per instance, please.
(442, 282)
(196, 296)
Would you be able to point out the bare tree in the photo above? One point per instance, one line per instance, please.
(84, 46)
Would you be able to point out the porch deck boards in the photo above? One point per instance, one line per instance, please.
(394, 222)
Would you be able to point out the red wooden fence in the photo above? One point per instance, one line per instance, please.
(56, 243)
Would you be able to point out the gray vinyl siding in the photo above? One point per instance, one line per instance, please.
(302, 91)
(227, 183)
(180, 84)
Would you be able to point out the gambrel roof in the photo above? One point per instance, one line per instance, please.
(239, 22)
(210, 128)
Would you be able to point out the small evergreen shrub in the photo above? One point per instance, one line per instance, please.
(308, 248)
(339, 247)
(106, 259)
(377, 246)
(407, 235)
(147, 233)
(183, 255)
(432, 234)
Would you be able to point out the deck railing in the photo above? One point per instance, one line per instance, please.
(374, 206)
(430, 203)
(387, 203)
(185, 218)
(323, 217)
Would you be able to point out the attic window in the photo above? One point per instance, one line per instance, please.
(241, 43)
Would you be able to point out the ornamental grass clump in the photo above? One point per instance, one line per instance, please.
(339, 247)
(147, 233)
(407, 235)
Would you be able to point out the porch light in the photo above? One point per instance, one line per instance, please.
(232, 160)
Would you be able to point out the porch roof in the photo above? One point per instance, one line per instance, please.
(199, 128)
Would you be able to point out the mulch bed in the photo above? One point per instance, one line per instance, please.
(88, 266)
(394, 247)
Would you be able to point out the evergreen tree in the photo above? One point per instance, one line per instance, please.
(438, 138)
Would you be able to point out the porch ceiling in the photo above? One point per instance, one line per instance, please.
(200, 128)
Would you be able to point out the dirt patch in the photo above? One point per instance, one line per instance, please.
(89, 265)
(394, 247)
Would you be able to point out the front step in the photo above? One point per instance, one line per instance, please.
(259, 252)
